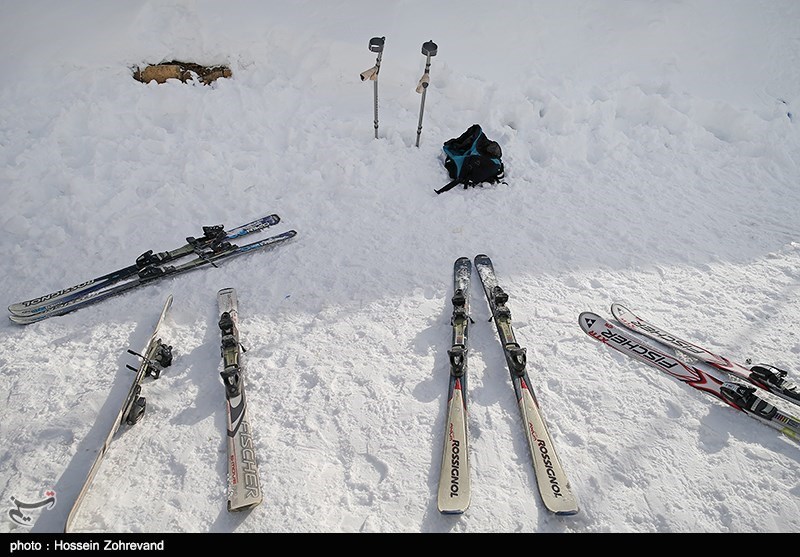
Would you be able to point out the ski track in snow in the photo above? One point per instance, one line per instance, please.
(651, 154)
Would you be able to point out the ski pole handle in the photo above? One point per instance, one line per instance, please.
(429, 48)
(376, 44)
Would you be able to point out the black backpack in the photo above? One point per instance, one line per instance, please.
(472, 159)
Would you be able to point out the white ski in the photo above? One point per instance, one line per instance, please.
(155, 357)
(454, 479)
(551, 478)
(244, 486)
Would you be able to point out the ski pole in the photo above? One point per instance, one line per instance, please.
(429, 49)
(375, 45)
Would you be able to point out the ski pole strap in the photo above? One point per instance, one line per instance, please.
(448, 187)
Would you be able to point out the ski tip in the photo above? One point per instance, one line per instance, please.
(283, 236)
(227, 299)
(167, 306)
(245, 506)
(567, 512)
(617, 308)
(452, 512)
(587, 319)
(23, 320)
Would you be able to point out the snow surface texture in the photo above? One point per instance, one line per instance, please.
(652, 155)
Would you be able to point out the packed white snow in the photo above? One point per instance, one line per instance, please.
(652, 156)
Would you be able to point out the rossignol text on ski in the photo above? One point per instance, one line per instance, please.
(741, 397)
(244, 485)
(553, 483)
(454, 479)
(213, 247)
(156, 356)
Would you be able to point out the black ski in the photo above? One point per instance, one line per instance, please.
(553, 483)
(244, 486)
(213, 236)
(454, 480)
(211, 257)
(156, 356)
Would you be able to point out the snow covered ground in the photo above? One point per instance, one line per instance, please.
(652, 155)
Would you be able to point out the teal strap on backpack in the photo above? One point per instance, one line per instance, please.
(472, 159)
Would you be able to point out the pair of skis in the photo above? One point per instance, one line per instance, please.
(737, 395)
(454, 480)
(244, 487)
(214, 246)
